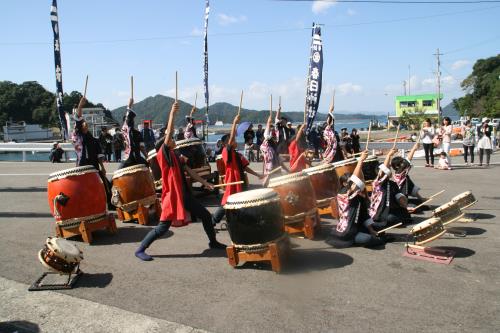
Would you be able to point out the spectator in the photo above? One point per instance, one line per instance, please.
(427, 134)
(484, 144)
(445, 133)
(56, 153)
(248, 137)
(259, 134)
(180, 134)
(291, 130)
(443, 163)
(469, 140)
(282, 132)
(355, 141)
(105, 140)
(314, 140)
(148, 136)
(118, 144)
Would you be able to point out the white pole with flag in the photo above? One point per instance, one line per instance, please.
(205, 66)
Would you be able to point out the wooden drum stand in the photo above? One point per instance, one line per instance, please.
(85, 226)
(139, 210)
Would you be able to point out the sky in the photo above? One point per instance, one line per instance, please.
(258, 46)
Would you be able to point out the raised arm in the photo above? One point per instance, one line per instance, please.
(414, 149)
(193, 110)
(278, 113)
(81, 104)
(170, 126)
(232, 136)
(267, 131)
(358, 171)
(300, 133)
(388, 158)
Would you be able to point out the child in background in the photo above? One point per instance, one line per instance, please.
(443, 163)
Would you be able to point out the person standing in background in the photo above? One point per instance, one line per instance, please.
(445, 133)
(291, 130)
(259, 134)
(484, 144)
(118, 144)
(148, 136)
(356, 147)
(469, 140)
(105, 140)
(56, 153)
(427, 134)
(248, 137)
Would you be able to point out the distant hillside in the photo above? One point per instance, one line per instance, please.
(157, 108)
(450, 111)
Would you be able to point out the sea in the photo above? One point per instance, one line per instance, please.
(361, 124)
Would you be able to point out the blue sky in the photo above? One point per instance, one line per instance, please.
(366, 63)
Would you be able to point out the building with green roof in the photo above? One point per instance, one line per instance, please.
(423, 102)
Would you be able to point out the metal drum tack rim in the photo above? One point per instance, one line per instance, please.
(240, 200)
(187, 142)
(319, 169)
(129, 170)
(77, 171)
(286, 179)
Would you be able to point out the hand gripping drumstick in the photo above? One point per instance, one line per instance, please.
(429, 199)
(396, 138)
(229, 184)
(389, 228)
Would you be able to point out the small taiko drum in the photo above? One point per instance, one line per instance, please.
(254, 217)
(60, 255)
(154, 167)
(370, 168)
(133, 186)
(325, 183)
(194, 151)
(296, 195)
(464, 200)
(345, 166)
(428, 231)
(449, 212)
(75, 195)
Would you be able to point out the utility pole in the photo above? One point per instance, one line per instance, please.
(404, 87)
(438, 76)
(409, 80)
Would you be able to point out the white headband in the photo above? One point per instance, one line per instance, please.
(385, 169)
(359, 183)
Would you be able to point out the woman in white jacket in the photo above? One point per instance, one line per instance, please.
(427, 134)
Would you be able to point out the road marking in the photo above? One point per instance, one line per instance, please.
(50, 311)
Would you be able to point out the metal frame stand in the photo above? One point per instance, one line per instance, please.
(69, 284)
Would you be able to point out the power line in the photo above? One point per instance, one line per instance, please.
(473, 45)
(402, 2)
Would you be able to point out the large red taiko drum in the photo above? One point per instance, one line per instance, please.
(131, 186)
(76, 193)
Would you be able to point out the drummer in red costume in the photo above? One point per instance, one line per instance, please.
(298, 151)
(176, 197)
(236, 165)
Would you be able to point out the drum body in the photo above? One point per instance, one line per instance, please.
(60, 255)
(449, 212)
(464, 200)
(370, 168)
(254, 217)
(325, 183)
(132, 184)
(428, 231)
(296, 193)
(345, 166)
(76, 193)
(194, 151)
(154, 167)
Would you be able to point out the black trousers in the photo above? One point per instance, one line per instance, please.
(469, 150)
(118, 155)
(429, 152)
(195, 208)
(481, 154)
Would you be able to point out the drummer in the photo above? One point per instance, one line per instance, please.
(87, 148)
(388, 206)
(401, 167)
(355, 225)
(236, 165)
(134, 143)
(298, 151)
(269, 150)
(176, 197)
(331, 153)
(190, 131)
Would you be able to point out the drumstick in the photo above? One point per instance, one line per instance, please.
(85, 89)
(428, 199)
(396, 138)
(279, 102)
(275, 170)
(241, 102)
(228, 184)
(176, 86)
(389, 228)
(435, 195)
(271, 105)
(368, 137)
(132, 87)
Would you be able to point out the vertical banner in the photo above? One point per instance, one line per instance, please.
(314, 78)
(57, 61)
(205, 53)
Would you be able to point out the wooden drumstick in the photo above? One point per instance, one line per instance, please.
(132, 87)
(241, 102)
(279, 102)
(274, 171)
(389, 228)
(85, 89)
(423, 203)
(435, 195)
(271, 104)
(228, 184)
(176, 86)
(429, 199)
(368, 137)
(396, 138)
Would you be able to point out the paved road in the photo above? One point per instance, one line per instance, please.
(326, 289)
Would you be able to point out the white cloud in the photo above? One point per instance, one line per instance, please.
(225, 19)
(348, 88)
(460, 64)
(351, 12)
(196, 32)
(321, 6)
(447, 82)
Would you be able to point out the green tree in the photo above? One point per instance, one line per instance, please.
(414, 119)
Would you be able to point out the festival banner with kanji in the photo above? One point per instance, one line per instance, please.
(57, 61)
(314, 79)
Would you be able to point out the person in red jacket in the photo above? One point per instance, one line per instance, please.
(236, 165)
(176, 197)
(298, 151)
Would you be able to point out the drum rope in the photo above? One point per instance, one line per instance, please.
(57, 215)
(255, 248)
(324, 202)
(74, 222)
(298, 217)
(133, 205)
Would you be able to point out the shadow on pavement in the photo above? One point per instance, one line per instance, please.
(25, 215)
(129, 234)
(460, 252)
(94, 280)
(470, 231)
(22, 189)
(18, 326)
(208, 253)
(482, 216)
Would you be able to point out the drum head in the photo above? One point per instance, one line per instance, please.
(187, 142)
(425, 224)
(251, 198)
(344, 162)
(64, 249)
(448, 205)
(71, 172)
(129, 170)
(462, 196)
(319, 169)
(290, 178)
